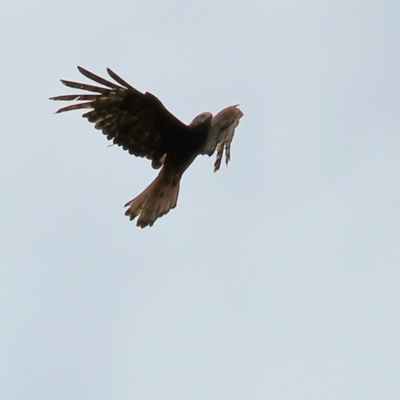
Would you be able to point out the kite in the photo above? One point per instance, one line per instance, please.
(140, 124)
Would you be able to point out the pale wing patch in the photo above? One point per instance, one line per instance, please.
(221, 135)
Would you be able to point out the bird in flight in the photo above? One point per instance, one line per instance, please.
(140, 124)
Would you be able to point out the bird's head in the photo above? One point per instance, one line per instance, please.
(204, 118)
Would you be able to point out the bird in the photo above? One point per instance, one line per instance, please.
(140, 124)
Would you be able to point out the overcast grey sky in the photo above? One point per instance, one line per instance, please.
(276, 278)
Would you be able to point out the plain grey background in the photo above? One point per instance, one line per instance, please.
(276, 278)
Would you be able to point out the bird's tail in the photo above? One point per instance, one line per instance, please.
(156, 200)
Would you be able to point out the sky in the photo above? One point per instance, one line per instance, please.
(275, 278)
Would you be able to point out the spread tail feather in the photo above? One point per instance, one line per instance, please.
(156, 200)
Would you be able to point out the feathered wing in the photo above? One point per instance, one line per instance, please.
(140, 124)
(137, 122)
(221, 134)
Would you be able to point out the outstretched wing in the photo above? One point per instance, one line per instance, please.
(221, 134)
(135, 121)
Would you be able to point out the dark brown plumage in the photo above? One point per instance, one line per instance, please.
(140, 124)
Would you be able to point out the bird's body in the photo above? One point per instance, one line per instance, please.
(140, 124)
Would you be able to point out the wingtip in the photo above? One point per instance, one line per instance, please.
(238, 109)
(55, 112)
(110, 72)
(82, 70)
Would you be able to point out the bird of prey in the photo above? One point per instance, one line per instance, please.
(140, 124)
